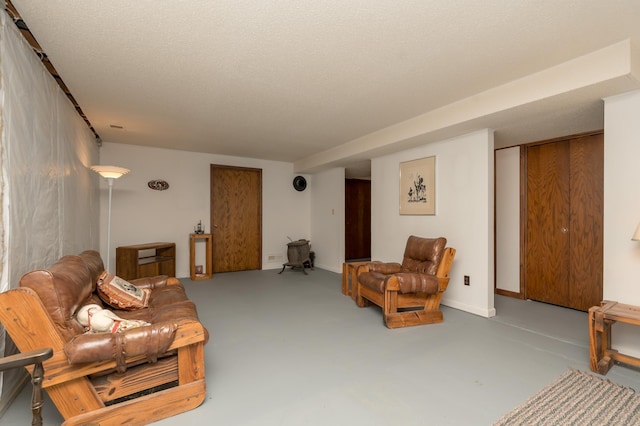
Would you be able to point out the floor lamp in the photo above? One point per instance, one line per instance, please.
(110, 173)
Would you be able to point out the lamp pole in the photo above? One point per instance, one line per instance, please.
(110, 182)
(110, 173)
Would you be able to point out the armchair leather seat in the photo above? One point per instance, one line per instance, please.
(374, 280)
(408, 293)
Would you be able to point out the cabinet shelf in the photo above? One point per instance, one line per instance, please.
(153, 259)
(146, 260)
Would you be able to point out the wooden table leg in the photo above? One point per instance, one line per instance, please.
(37, 401)
(595, 341)
(599, 341)
(345, 279)
(354, 281)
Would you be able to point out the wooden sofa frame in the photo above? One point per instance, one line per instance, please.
(418, 308)
(82, 400)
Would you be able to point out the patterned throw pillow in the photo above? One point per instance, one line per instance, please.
(121, 294)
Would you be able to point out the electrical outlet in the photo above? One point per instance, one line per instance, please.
(466, 280)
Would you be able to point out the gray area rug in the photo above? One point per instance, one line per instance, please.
(578, 398)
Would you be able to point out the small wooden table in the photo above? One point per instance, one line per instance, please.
(602, 356)
(349, 278)
(208, 268)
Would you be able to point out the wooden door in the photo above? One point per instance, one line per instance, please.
(587, 210)
(357, 219)
(236, 218)
(564, 209)
(548, 218)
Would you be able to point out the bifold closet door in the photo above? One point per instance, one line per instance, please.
(563, 254)
(587, 210)
(548, 218)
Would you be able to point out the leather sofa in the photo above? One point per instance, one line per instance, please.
(134, 376)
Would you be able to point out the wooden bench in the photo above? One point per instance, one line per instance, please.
(601, 318)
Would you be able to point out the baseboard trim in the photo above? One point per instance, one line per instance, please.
(486, 313)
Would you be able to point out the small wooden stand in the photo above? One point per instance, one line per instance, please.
(207, 273)
(601, 318)
(350, 278)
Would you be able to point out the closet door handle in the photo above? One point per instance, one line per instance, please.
(564, 230)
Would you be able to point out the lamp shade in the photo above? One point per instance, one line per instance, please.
(110, 172)
(636, 235)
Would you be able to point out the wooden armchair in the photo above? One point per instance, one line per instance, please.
(35, 358)
(132, 377)
(408, 293)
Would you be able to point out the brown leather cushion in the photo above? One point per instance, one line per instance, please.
(151, 340)
(166, 304)
(423, 255)
(63, 288)
(373, 280)
(94, 262)
(386, 268)
(417, 283)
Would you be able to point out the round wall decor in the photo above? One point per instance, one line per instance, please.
(299, 183)
(158, 184)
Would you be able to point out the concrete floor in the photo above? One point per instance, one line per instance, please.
(290, 349)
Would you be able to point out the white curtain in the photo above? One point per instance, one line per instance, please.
(50, 199)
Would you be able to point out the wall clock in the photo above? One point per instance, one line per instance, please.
(299, 183)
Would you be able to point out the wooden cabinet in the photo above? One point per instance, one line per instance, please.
(146, 260)
(207, 272)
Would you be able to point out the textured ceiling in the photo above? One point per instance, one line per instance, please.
(299, 80)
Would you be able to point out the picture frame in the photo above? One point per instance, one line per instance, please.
(418, 187)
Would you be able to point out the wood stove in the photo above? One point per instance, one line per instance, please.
(298, 254)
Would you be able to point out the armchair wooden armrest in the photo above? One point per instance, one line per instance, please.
(385, 268)
(35, 358)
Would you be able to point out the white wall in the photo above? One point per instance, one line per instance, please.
(141, 215)
(622, 210)
(464, 214)
(508, 219)
(327, 219)
(622, 198)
